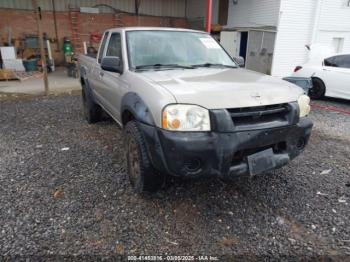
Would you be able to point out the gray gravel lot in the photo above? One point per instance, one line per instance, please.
(78, 201)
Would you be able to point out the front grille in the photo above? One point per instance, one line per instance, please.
(261, 116)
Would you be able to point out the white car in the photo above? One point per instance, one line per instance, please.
(330, 76)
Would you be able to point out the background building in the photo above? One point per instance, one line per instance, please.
(81, 20)
(272, 34)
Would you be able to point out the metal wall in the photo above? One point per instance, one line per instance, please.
(260, 50)
(173, 8)
(196, 12)
(254, 13)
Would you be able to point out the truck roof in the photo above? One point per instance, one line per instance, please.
(149, 28)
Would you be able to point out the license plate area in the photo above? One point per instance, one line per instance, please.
(261, 162)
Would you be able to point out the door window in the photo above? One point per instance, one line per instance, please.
(342, 61)
(102, 47)
(114, 46)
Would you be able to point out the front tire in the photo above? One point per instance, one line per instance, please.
(318, 89)
(92, 111)
(143, 177)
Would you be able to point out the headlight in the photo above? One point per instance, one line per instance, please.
(185, 118)
(304, 105)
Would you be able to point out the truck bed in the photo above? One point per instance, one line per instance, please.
(86, 63)
(86, 58)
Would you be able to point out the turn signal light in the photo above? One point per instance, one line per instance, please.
(165, 120)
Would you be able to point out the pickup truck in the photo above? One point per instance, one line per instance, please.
(187, 109)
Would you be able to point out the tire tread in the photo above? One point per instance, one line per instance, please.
(151, 180)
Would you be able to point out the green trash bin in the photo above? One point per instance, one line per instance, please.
(67, 47)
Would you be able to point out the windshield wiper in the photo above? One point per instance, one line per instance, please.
(214, 65)
(158, 66)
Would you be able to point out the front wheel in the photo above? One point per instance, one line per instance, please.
(143, 177)
(318, 89)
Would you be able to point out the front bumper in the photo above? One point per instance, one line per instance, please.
(191, 154)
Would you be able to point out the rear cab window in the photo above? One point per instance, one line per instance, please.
(102, 47)
(114, 46)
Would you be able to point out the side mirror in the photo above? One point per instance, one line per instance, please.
(240, 61)
(112, 64)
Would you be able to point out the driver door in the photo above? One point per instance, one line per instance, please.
(112, 84)
(95, 83)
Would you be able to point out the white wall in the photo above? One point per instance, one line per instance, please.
(299, 22)
(334, 22)
(294, 31)
(253, 13)
(335, 15)
(327, 38)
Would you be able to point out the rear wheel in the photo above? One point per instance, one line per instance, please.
(318, 89)
(143, 177)
(92, 111)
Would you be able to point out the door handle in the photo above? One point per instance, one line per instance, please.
(102, 74)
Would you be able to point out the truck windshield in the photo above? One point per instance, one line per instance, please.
(152, 49)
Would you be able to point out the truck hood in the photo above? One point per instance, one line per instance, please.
(224, 88)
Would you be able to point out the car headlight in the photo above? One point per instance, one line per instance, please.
(185, 118)
(304, 105)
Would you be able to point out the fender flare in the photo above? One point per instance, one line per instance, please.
(83, 71)
(132, 103)
(85, 87)
(84, 81)
(83, 77)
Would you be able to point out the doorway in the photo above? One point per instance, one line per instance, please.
(243, 45)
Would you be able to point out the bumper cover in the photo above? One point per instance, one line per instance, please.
(191, 154)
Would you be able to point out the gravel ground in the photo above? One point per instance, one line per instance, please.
(64, 191)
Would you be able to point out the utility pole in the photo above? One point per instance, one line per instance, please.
(37, 11)
(209, 15)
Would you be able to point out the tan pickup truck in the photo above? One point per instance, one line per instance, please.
(188, 109)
